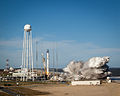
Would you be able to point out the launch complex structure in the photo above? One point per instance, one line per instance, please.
(27, 56)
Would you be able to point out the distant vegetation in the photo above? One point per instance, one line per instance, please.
(115, 71)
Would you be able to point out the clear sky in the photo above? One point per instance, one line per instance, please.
(80, 28)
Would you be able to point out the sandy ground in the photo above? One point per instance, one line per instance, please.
(112, 89)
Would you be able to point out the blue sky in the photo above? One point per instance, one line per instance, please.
(80, 28)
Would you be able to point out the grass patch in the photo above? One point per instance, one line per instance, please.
(27, 91)
(4, 94)
(14, 83)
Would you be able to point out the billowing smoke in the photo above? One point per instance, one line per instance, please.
(94, 68)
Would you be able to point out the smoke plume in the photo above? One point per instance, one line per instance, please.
(94, 68)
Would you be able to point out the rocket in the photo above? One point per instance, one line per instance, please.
(47, 62)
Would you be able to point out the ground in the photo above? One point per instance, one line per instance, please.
(56, 89)
(69, 90)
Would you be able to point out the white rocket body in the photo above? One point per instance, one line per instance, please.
(47, 62)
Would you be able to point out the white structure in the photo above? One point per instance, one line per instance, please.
(27, 55)
(11, 69)
(17, 74)
(91, 82)
(47, 62)
(23, 73)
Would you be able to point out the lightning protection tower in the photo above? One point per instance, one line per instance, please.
(7, 65)
(27, 54)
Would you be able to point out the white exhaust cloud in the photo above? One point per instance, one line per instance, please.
(94, 68)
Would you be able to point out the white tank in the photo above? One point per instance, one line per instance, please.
(27, 27)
